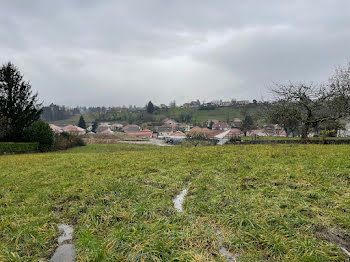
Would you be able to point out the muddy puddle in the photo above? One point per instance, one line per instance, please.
(179, 199)
(66, 251)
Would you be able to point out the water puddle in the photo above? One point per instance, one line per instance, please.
(345, 251)
(66, 251)
(67, 234)
(179, 199)
(224, 252)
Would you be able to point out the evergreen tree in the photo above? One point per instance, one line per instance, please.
(94, 126)
(82, 123)
(18, 105)
(150, 107)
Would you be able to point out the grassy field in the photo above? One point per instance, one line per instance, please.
(74, 120)
(201, 116)
(271, 203)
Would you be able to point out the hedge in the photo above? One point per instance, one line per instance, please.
(13, 147)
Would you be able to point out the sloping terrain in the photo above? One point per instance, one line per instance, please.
(261, 203)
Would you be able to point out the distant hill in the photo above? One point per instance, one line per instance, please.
(192, 116)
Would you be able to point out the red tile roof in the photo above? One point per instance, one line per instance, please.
(71, 128)
(107, 131)
(221, 125)
(56, 129)
(199, 129)
(178, 133)
(117, 125)
(212, 133)
(143, 133)
(234, 132)
(130, 126)
(208, 132)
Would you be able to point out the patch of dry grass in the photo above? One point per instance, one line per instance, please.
(114, 138)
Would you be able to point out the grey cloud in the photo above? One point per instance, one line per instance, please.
(127, 52)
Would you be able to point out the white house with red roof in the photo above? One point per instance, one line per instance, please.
(221, 126)
(128, 128)
(237, 122)
(116, 126)
(146, 133)
(74, 130)
(107, 131)
(178, 135)
(234, 132)
(56, 129)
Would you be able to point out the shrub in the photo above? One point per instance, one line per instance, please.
(195, 142)
(328, 133)
(11, 147)
(77, 141)
(42, 133)
(194, 135)
(234, 139)
(65, 140)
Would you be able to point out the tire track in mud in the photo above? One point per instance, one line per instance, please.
(178, 205)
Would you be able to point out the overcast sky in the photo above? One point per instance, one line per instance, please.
(90, 52)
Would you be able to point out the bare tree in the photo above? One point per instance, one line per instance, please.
(286, 115)
(310, 105)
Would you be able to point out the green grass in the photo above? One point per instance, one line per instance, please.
(73, 120)
(267, 200)
(201, 116)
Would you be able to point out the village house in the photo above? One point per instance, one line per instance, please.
(256, 132)
(116, 127)
(345, 132)
(192, 104)
(206, 131)
(237, 123)
(221, 135)
(269, 130)
(234, 132)
(170, 122)
(56, 129)
(146, 133)
(129, 128)
(102, 126)
(165, 130)
(175, 137)
(107, 131)
(199, 129)
(75, 130)
(178, 134)
(211, 122)
(279, 131)
(221, 126)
